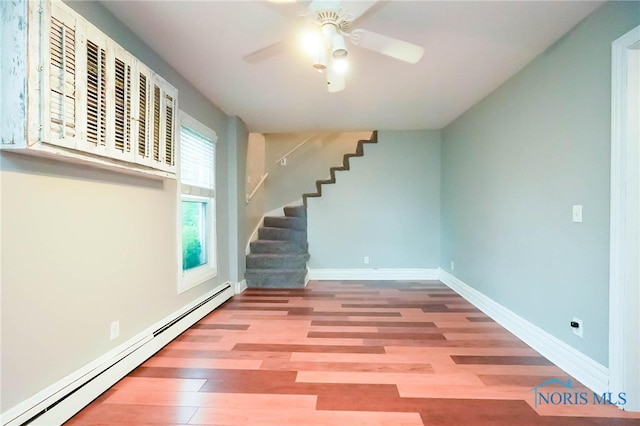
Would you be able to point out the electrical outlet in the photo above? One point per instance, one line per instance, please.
(576, 326)
(576, 214)
(453, 266)
(283, 162)
(366, 260)
(115, 330)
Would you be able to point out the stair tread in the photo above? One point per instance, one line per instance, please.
(262, 240)
(295, 223)
(276, 254)
(295, 211)
(282, 243)
(275, 227)
(278, 258)
(283, 217)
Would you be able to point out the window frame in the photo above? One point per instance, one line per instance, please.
(200, 274)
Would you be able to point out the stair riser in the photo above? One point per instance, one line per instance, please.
(276, 262)
(295, 211)
(282, 234)
(297, 223)
(278, 247)
(276, 279)
(334, 170)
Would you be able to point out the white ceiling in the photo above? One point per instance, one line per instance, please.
(470, 49)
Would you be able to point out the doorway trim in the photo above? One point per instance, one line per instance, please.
(624, 298)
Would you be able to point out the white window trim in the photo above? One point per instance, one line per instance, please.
(196, 276)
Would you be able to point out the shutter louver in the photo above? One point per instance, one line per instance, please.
(96, 95)
(62, 79)
(156, 123)
(142, 116)
(169, 136)
(122, 106)
(91, 101)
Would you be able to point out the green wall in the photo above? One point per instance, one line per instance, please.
(513, 166)
(387, 207)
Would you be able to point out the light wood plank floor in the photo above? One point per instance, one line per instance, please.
(346, 353)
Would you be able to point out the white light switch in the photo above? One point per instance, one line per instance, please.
(577, 213)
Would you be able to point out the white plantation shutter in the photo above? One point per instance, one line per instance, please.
(62, 78)
(96, 94)
(143, 111)
(169, 137)
(94, 98)
(156, 108)
(122, 105)
(197, 159)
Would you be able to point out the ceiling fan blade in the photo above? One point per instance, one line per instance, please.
(356, 9)
(398, 49)
(335, 81)
(266, 52)
(321, 5)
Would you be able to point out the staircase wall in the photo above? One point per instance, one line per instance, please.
(387, 207)
(255, 170)
(237, 137)
(286, 184)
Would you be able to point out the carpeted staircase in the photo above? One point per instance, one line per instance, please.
(278, 258)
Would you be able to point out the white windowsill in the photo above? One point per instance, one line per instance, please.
(196, 277)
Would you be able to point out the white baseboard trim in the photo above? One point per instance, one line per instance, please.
(69, 395)
(589, 372)
(240, 287)
(374, 274)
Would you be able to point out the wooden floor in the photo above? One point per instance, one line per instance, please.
(345, 353)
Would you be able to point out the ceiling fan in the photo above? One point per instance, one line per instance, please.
(332, 22)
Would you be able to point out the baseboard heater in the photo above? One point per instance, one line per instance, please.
(89, 386)
(181, 317)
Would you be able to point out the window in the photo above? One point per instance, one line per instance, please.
(197, 211)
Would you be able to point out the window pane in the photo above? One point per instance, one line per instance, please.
(194, 234)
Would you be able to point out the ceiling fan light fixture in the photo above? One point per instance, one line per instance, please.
(338, 47)
(340, 66)
(320, 60)
(311, 42)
